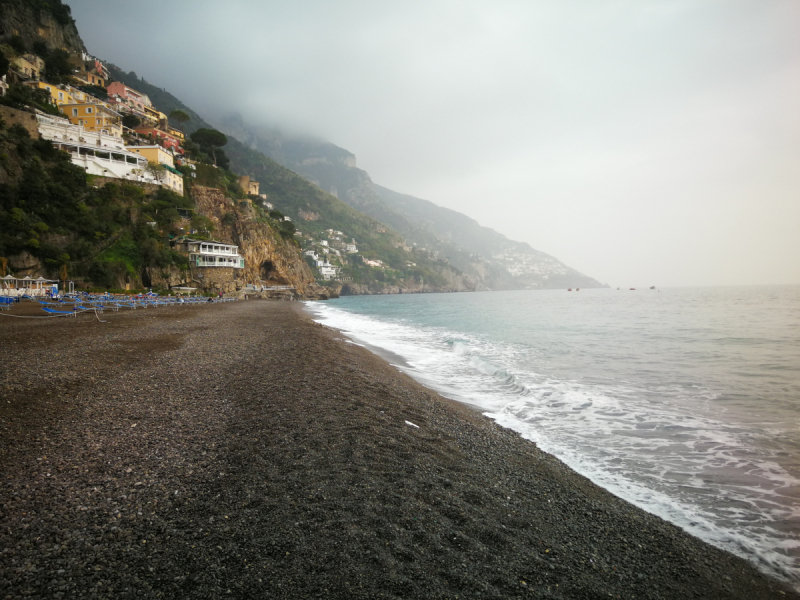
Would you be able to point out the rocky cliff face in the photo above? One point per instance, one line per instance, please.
(34, 21)
(268, 257)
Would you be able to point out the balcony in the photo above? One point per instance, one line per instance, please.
(199, 260)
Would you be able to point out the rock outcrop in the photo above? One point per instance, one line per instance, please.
(269, 259)
(35, 21)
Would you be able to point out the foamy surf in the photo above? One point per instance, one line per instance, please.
(658, 444)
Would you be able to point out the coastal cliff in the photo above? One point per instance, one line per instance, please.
(96, 232)
(35, 21)
(482, 257)
(356, 237)
(268, 257)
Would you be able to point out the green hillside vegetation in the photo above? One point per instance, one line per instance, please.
(291, 194)
(49, 209)
(486, 256)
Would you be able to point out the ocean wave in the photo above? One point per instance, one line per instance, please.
(656, 442)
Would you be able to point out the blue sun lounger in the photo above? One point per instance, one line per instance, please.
(54, 312)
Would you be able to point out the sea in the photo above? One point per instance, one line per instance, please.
(682, 401)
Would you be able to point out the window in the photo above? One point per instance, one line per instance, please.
(88, 110)
(98, 121)
(74, 112)
(60, 95)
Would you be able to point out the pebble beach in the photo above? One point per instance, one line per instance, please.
(241, 450)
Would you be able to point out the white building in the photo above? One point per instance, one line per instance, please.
(96, 152)
(327, 270)
(210, 253)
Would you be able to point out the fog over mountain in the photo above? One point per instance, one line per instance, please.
(639, 142)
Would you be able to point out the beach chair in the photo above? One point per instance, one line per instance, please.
(63, 313)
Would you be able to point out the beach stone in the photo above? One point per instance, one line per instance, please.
(296, 476)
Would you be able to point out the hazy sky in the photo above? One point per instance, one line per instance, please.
(640, 142)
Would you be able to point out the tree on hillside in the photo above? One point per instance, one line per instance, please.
(209, 140)
(156, 171)
(97, 91)
(131, 121)
(57, 67)
(18, 44)
(20, 96)
(40, 49)
(180, 116)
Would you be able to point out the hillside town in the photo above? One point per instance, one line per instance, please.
(113, 131)
(109, 129)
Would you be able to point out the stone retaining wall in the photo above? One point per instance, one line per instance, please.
(218, 279)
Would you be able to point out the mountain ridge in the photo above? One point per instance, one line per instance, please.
(492, 259)
(316, 211)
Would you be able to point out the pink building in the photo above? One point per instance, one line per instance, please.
(160, 137)
(128, 96)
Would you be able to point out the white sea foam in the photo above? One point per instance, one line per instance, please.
(661, 446)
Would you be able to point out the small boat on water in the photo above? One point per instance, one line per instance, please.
(633, 289)
(652, 287)
(569, 290)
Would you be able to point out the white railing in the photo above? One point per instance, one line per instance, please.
(204, 249)
(218, 261)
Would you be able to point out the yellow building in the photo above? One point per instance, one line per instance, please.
(177, 133)
(58, 95)
(89, 70)
(171, 178)
(154, 154)
(29, 66)
(154, 116)
(91, 79)
(93, 117)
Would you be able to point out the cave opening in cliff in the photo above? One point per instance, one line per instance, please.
(268, 270)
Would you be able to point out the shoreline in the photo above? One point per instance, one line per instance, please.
(240, 450)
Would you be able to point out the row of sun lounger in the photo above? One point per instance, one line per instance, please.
(72, 305)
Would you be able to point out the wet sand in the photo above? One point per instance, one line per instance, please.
(241, 451)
